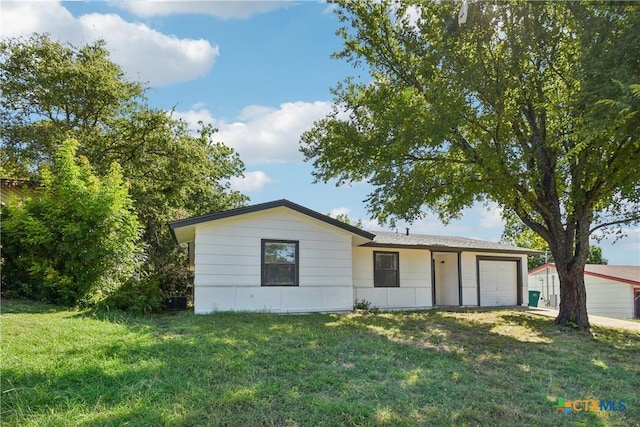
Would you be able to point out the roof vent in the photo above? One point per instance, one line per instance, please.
(407, 231)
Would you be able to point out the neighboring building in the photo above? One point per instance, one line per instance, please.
(283, 257)
(15, 188)
(612, 290)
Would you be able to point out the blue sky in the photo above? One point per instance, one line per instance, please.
(261, 73)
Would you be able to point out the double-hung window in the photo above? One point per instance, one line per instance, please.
(385, 269)
(280, 263)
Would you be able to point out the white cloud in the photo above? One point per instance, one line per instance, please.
(339, 211)
(263, 134)
(220, 9)
(24, 17)
(143, 53)
(252, 181)
(331, 7)
(373, 225)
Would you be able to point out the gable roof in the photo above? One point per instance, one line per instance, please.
(629, 274)
(182, 231)
(191, 222)
(443, 243)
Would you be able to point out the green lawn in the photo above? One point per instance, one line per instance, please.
(501, 367)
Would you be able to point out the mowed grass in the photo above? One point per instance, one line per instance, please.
(434, 368)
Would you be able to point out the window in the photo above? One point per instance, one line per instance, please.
(385, 269)
(279, 263)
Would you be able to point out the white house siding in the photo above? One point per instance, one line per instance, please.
(469, 279)
(415, 279)
(609, 298)
(228, 264)
(605, 297)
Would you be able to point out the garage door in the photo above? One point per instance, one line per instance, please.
(498, 282)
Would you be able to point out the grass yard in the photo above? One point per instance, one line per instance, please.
(436, 368)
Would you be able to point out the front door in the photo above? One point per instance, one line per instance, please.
(445, 274)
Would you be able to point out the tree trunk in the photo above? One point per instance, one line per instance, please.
(573, 295)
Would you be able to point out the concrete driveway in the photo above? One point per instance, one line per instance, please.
(594, 320)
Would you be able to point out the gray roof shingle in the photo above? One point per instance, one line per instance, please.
(424, 241)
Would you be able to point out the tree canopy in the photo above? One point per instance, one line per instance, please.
(50, 91)
(518, 234)
(530, 105)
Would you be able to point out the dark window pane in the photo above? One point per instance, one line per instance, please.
(386, 278)
(280, 274)
(385, 270)
(386, 261)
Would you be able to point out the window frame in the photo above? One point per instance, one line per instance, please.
(263, 263)
(397, 269)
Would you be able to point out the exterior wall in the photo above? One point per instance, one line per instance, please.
(605, 297)
(609, 298)
(228, 265)
(469, 279)
(415, 280)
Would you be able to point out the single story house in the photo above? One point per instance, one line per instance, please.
(612, 290)
(282, 257)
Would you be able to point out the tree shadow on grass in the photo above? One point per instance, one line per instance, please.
(619, 339)
(426, 368)
(525, 356)
(25, 306)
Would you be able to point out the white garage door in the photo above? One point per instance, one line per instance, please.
(498, 283)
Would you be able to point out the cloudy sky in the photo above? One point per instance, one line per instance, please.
(261, 72)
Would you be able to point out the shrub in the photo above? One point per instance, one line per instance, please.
(364, 306)
(77, 238)
(137, 296)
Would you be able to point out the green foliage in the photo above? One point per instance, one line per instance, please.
(137, 296)
(364, 306)
(529, 105)
(516, 233)
(345, 218)
(595, 256)
(50, 91)
(77, 239)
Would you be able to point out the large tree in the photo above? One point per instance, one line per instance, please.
(50, 91)
(526, 104)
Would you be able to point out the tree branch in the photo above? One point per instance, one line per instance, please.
(621, 221)
(415, 158)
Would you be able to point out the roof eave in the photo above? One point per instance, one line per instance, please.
(193, 221)
(442, 248)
